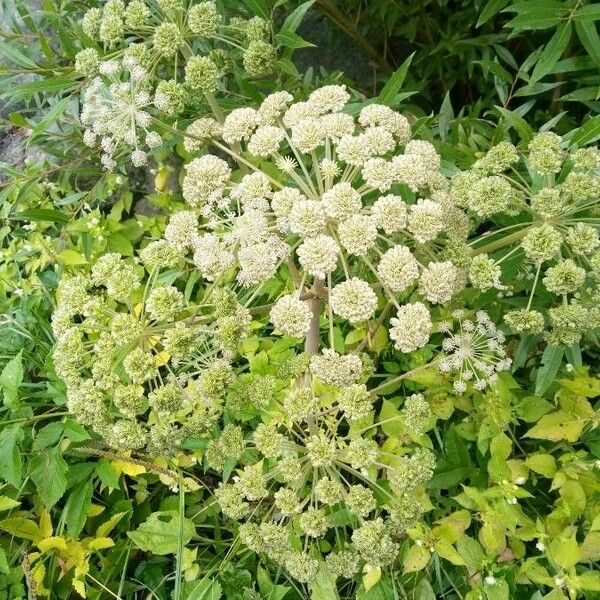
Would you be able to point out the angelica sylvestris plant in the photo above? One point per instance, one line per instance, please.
(351, 211)
(145, 366)
(154, 59)
(542, 209)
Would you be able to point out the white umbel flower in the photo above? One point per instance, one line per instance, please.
(291, 316)
(425, 150)
(318, 255)
(411, 327)
(357, 234)
(205, 179)
(390, 213)
(341, 201)
(398, 269)
(307, 218)
(353, 300)
(381, 115)
(379, 174)
(329, 98)
(425, 220)
(239, 124)
(439, 281)
(336, 369)
(265, 141)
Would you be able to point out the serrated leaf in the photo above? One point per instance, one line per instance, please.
(159, 534)
(11, 378)
(416, 559)
(10, 455)
(48, 472)
(78, 507)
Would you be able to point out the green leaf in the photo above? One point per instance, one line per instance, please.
(551, 360)
(10, 455)
(416, 559)
(204, 589)
(159, 533)
(518, 123)
(323, 587)
(588, 36)
(293, 20)
(394, 83)
(11, 378)
(587, 133)
(292, 40)
(77, 508)
(591, 12)
(48, 472)
(491, 8)
(15, 56)
(553, 51)
(4, 568)
(42, 214)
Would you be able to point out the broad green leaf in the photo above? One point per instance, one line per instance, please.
(590, 12)
(582, 385)
(204, 589)
(10, 455)
(394, 83)
(292, 40)
(42, 214)
(559, 425)
(11, 378)
(518, 123)
(77, 508)
(48, 472)
(323, 587)
(564, 552)
(416, 559)
(553, 51)
(4, 568)
(159, 534)
(545, 464)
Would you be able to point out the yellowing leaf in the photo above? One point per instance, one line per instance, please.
(371, 575)
(22, 528)
(7, 503)
(559, 425)
(71, 257)
(161, 359)
(104, 529)
(46, 523)
(101, 543)
(79, 587)
(544, 464)
(416, 559)
(52, 543)
(95, 510)
(137, 309)
(128, 468)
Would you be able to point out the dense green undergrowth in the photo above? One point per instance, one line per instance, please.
(299, 300)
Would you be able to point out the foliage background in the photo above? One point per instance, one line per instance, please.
(470, 73)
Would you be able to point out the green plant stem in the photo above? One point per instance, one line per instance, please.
(517, 236)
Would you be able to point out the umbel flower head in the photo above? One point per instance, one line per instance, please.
(317, 459)
(354, 209)
(177, 37)
(116, 113)
(550, 194)
(144, 367)
(475, 352)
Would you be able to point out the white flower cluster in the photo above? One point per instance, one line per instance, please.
(475, 352)
(115, 112)
(340, 212)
